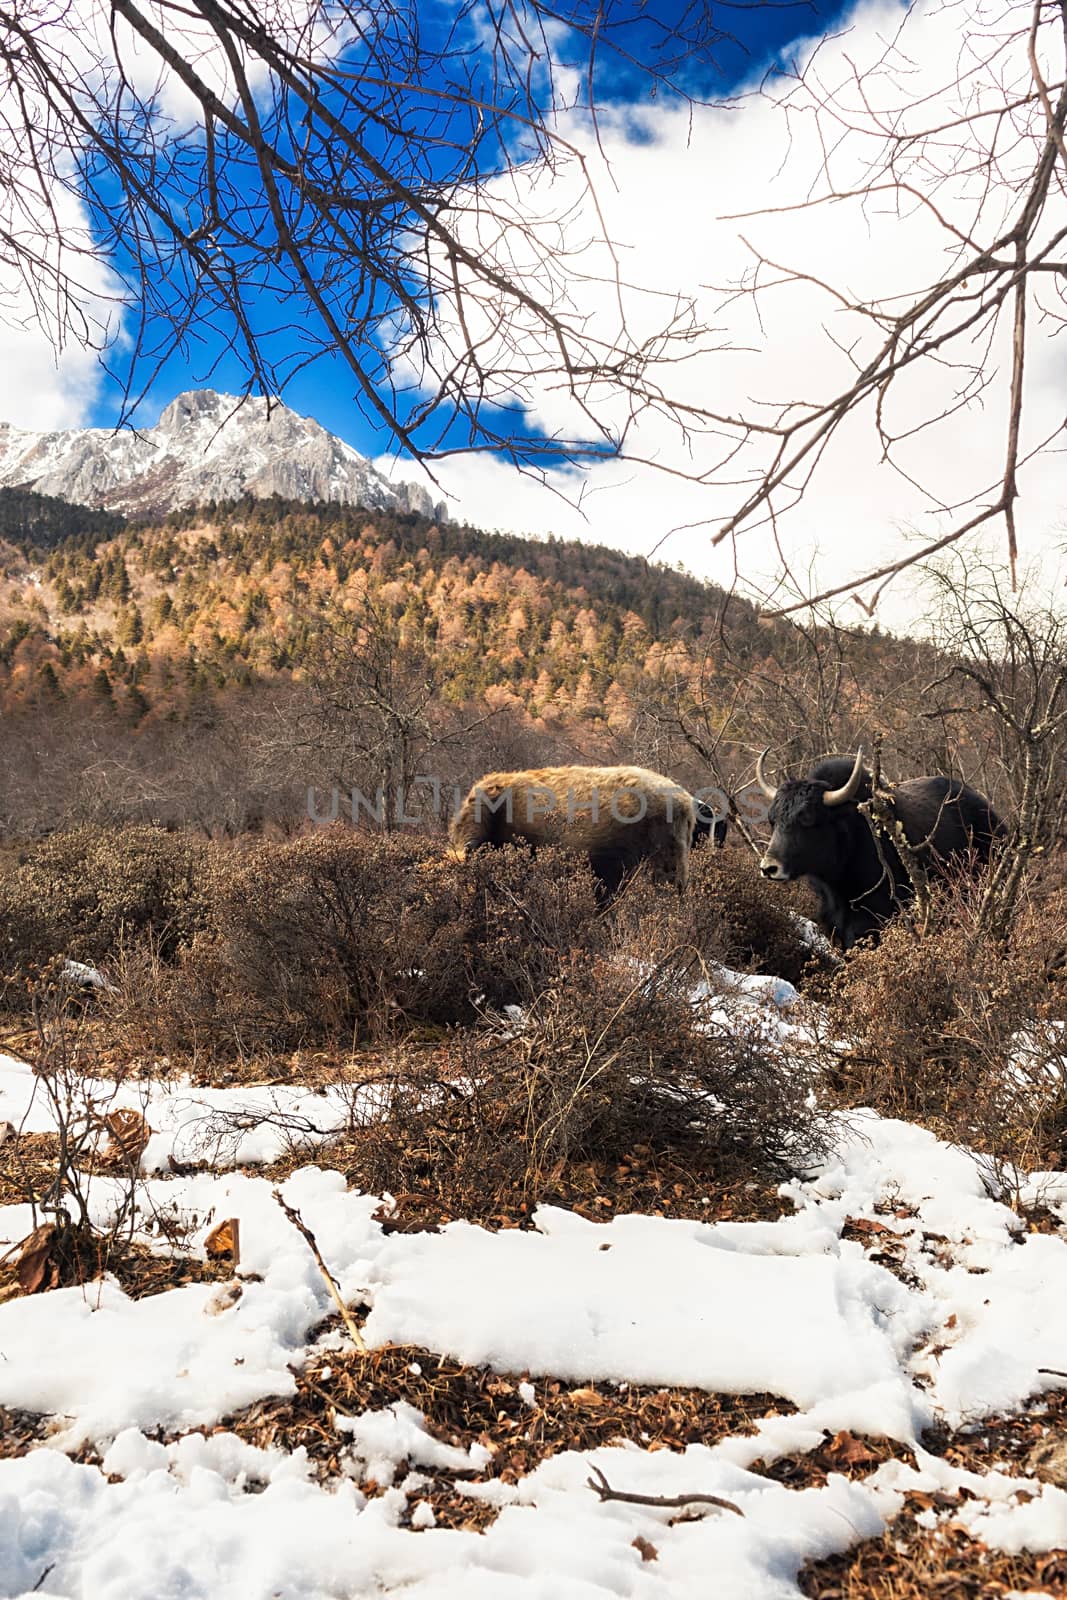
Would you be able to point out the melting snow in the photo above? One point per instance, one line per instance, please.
(788, 1307)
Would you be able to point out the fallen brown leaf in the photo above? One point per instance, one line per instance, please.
(129, 1132)
(868, 1225)
(921, 1500)
(225, 1240)
(36, 1270)
(846, 1450)
(586, 1397)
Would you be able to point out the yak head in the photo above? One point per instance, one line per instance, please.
(811, 820)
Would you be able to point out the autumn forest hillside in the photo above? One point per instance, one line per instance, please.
(209, 668)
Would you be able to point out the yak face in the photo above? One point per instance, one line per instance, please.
(814, 820)
(818, 833)
(808, 837)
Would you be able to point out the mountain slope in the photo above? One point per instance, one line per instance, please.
(196, 668)
(208, 600)
(205, 447)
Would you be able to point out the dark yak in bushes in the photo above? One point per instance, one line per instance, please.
(819, 833)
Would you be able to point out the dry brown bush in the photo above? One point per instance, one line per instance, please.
(52, 1173)
(961, 1033)
(80, 894)
(729, 913)
(611, 1055)
(342, 936)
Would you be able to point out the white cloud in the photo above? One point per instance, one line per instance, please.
(674, 184)
(51, 331)
(668, 195)
(49, 367)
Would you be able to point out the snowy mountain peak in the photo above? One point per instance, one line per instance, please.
(205, 446)
(196, 403)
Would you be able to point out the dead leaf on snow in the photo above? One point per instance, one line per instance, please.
(648, 1551)
(225, 1240)
(36, 1270)
(922, 1500)
(868, 1225)
(129, 1132)
(846, 1450)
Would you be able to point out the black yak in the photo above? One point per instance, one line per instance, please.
(819, 834)
(708, 825)
(619, 816)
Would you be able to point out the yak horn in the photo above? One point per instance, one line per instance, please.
(837, 797)
(769, 790)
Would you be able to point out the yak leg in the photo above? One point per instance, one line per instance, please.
(609, 869)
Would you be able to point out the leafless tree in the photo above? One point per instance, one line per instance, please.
(344, 168)
(1007, 675)
(981, 158)
(791, 687)
(377, 717)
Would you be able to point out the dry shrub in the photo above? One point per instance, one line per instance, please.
(52, 1174)
(342, 936)
(606, 1058)
(611, 1055)
(729, 913)
(80, 894)
(304, 936)
(492, 931)
(960, 1033)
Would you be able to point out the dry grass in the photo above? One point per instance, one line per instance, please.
(139, 1270)
(344, 939)
(961, 1035)
(658, 1183)
(607, 1062)
(910, 1562)
(234, 952)
(729, 913)
(467, 1405)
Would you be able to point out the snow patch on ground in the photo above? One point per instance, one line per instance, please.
(656, 1302)
(228, 1127)
(789, 1307)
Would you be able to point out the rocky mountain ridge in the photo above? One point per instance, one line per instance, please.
(206, 446)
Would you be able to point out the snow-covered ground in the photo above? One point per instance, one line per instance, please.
(789, 1307)
(227, 1127)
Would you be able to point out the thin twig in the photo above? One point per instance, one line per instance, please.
(672, 1501)
(334, 1287)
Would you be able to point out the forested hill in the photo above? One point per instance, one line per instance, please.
(208, 666)
(143, 623)
(40, 521)
(230, 593)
